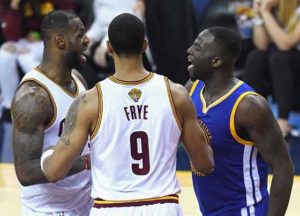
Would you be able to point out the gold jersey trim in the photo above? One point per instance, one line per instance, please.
(100, 112)
(193, 87)
(221, 99)
(172, 103)
(51, 99)
(232, 115)
(119, 203)
(75, 94)
(146, 79)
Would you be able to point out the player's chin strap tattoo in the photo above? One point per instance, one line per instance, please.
(208, 138)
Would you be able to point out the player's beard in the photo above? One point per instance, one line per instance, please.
(73, 59)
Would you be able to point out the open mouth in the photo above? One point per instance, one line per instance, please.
(191, 65)
(82, 58)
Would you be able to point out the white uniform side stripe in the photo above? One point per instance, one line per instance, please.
(244, 212)
(247, 175)
(252, 211)
(255, 176)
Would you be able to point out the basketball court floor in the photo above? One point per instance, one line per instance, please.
(10, 194)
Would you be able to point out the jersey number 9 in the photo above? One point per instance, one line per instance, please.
(140, 138)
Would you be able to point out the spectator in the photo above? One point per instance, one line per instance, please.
(273, 67)
(169, 23)
(104, 12)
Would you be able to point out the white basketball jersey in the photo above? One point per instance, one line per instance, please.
(133, 148)
(74, 191)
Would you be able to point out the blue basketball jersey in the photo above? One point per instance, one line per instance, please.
(238, 184)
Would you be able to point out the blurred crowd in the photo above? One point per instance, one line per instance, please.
(269, 29)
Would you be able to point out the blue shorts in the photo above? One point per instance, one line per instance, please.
(258, 209)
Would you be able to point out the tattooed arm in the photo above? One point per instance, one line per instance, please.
(31, 111)
(80, 121)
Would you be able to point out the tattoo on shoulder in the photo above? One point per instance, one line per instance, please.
(28, 108)
(83, 98)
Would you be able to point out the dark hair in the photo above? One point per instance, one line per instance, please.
(126, 34)
(228, 40)
(56, 21)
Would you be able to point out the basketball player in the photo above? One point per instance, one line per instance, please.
(245, 135)
(134, 120)
(39, 109)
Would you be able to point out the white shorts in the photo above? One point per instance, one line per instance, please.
(83, 211)
(166, 209)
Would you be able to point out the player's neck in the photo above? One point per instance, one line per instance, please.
(129, 69)
(56, 71)
(219, 85)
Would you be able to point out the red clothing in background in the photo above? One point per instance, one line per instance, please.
(18, 23)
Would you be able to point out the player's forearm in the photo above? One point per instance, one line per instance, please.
(280, 191)
(30, 173)
(80, 164)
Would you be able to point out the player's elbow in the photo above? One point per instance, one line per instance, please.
(205, 167)
(284, 168)
(52, 176)
(24, 181)
(23, 176)
(289, 170)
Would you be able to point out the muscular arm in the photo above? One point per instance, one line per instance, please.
(193, 135)
(32, 110)
(80, 121)
(255, 117)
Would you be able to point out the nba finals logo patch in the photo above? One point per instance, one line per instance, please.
(135, 94)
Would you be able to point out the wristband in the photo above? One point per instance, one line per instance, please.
(46, 154)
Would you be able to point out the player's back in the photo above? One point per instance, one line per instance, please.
(133, 148)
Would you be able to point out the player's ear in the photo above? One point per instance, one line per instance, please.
(145, 45)
(109, 47)
(216, 62)
(60, 41)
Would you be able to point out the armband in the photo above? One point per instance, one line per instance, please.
(46, 154)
